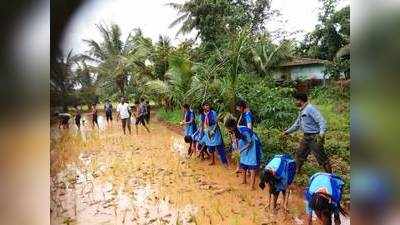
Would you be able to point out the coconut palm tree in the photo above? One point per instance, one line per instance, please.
(62, 80)
(266, 56)
(116, 60)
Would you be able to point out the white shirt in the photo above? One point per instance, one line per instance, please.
(123, 110)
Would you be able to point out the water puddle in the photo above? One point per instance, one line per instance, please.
(179, 146)
(81, 195)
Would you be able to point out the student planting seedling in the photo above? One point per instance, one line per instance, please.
(212, 136)
(190, 125)
(323, 196)
(246, 119)
(278, 174)
(200, 146)
(108, 108)
(248, 144)
(94, 117)
(141, 111)
(78, 116)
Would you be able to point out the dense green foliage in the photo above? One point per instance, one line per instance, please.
(233, 59)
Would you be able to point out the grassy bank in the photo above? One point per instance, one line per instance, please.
(172, 117)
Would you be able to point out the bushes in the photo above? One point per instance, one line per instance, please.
(272, 106)
(173, 117)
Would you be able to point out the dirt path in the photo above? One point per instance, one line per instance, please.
(104, 177)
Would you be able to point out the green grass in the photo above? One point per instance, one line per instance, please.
(173, 117)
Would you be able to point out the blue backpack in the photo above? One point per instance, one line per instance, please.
(286, 170)
(337, 185)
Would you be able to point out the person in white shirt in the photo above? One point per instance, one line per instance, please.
(123, 112)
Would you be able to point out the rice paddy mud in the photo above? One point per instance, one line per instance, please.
(105, 177)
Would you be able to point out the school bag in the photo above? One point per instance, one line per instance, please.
(337, 185)
(286, 170)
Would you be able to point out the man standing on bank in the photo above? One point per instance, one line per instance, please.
(313, 125)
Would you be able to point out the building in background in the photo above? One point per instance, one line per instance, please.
(302, 69)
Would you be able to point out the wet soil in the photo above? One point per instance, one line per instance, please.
(101, 176)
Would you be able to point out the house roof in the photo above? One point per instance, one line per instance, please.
(303, 61)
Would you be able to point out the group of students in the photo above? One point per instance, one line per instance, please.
(125, 112)
(141, 112)
(324, 192)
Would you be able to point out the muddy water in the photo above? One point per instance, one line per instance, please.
(101, 176)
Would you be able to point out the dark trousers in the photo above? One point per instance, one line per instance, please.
(312, 143)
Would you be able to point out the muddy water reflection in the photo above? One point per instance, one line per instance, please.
(111, 178)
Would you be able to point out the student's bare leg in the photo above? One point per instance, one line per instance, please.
(270, 201)
(212, 158)
(337, 218)
(146, 127)
(286, 195)
(129, 128)
(253, 179)
(274, 202)
(244, 177)
(190, 151)
(123, 125)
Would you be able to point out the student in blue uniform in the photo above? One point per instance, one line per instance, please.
(212, 136)
(279, 174)
(199, 145)
(323, 196)
(189, 121)
(246, 117)
(248, 144)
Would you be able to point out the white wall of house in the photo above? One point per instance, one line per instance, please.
(306, 72)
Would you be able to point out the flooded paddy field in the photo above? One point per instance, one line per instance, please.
(101, 176)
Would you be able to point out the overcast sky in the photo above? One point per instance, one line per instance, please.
(154, 18)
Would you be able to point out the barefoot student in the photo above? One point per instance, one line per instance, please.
(278, 174)
(189, 123)
(123, 112)
(108, 108)
(141, 111)
(248, 144)
(323, 196)
(78, 116)
(63, 120)
(212, 134)
(94, 117)
(313, 126)
(199, 145)
(246, 119)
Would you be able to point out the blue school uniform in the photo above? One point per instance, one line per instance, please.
(250, 157)
(209, 122)
(327, 183)
(284, 169)
(191, 127)
(213, 141)
(247, 117)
